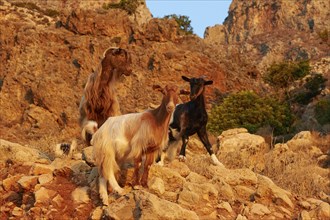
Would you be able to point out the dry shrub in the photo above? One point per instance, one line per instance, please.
(297, 172)
(200, 164)
(45, 144)
(322, 141)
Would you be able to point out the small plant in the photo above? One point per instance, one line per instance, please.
(324, 35)
(32, 6)
(183, 22)
(246, 109)
(311, 88)
(128, 5)
(51, 13)
(322, 111)
(282, 75)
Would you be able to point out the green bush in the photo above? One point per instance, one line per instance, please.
(183, 22)
(322, 111)
(311, 88)
(128, 5)
(281, 75)
(246, 109)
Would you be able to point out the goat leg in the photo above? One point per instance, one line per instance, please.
(149, 160)
(136, 179)
(205, 140)
(182, 156)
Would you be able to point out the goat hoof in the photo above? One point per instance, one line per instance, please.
(215, 161)
(182, 158)
(137, 187)
(160, 163)
(120, 191)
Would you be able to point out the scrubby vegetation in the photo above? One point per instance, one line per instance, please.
(32, 6)
(297, 170)
(313, 87)
(248, 110)
(324, 35)
(283, 74)
(183, 22)
(128, 5)
(322, 111)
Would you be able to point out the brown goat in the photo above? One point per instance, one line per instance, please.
(99, 100)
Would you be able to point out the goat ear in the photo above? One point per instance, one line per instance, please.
(184, 92)
(210, 82)
(158, 88)
(185, 78)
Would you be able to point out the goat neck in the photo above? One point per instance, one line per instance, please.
(199, 100)
(161, 114)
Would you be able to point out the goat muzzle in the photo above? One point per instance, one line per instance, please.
(170, 107)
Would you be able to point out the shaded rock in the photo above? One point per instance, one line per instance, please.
(57, 201)
(13, 197)
(225, 190)
(180, 167)
(154, 208)
(300, 141)
(38, 169)
(304, 215)
(11, 183)
(96, 214)
(244, 150)
(45, 178)
(194, 193)
(156, 185)
(196, 178)
(172, 179)
(241, 217)
(323, 211)
(28, 182)
(280, 196)
(226, 206)
(17, 212)
(235, 177)
(44, 197)
(259, 209)
(88, 155)
(19, 153)
(80, 195)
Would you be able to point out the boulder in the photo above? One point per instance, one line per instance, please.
(19, 153)
(239, 149)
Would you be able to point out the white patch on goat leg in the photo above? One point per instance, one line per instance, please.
(182, 158)
(215, 161)
(162, 158)
(103, 191)
(114, 184)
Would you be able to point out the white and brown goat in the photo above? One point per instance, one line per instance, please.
(129, 137)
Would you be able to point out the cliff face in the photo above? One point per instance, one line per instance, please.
(49, 48)
(268, 31)
(46, 61)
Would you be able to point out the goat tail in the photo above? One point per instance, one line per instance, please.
(89, 128)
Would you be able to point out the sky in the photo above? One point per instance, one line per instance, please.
(202, 13)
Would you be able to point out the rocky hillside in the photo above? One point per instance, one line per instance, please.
(269, 31)
(33, 186)
(46, 61)
(49, 48)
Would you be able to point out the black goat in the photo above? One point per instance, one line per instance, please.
(190, 118)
